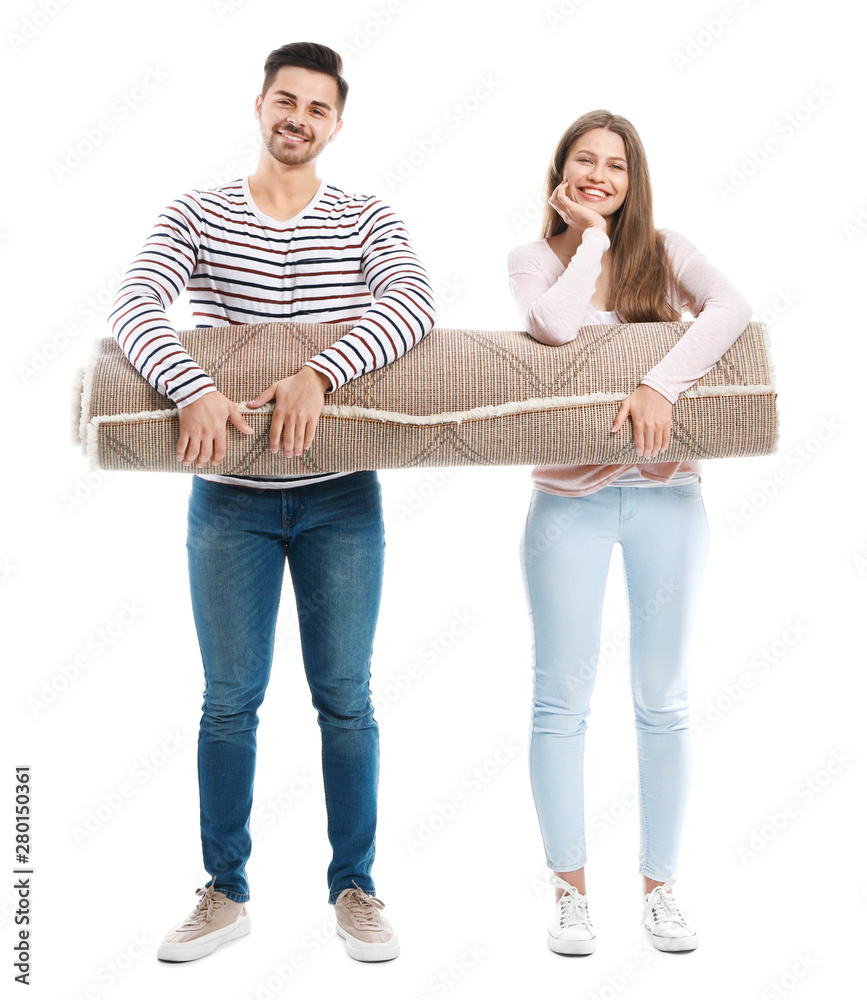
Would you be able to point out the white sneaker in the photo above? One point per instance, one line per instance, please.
(572, 931)
(665, 924)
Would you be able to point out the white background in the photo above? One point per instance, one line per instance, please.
(781, 607)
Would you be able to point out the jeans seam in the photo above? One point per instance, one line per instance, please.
(642, 804)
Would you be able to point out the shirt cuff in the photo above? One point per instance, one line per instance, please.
(196, 395)
(653, 384)
(588, 233)
(316, 365)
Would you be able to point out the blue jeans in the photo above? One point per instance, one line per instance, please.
(566, 552)
(238, 541)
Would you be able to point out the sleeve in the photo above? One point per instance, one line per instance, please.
(403, 311)
(553, 314)
(155, 279)
(721, 312)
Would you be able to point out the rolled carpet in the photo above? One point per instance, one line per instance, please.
(462, 397)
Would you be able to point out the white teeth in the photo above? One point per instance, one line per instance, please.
(603, 194)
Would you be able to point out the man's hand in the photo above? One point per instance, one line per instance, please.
(298, 403)
(651, 420)
(202, 437)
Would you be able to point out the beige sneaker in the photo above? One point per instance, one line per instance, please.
(216, 920)
(368, 935)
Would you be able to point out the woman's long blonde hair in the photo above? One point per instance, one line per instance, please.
(640, 269)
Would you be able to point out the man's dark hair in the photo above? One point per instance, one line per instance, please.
(312, 56)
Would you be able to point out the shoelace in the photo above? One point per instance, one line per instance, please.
(363, 908)
(203, 911)
(662, 900)
(570, 903)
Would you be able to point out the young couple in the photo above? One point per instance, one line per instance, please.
(283, 245)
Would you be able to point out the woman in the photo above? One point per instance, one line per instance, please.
(602, 261)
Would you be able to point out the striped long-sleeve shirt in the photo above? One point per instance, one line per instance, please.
(240, 266)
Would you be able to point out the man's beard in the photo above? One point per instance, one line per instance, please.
(290, 155)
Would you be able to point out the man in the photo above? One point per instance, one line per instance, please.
(280, 245)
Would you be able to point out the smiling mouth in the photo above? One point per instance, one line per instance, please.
(592, 192)
(291, 136)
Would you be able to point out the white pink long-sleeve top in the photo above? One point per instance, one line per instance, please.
(554, 303)
(241, 266)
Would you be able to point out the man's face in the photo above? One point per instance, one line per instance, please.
(298, 115)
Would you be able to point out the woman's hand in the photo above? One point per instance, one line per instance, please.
(573, 213)
(651, 420)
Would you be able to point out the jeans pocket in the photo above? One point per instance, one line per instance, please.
(689, 491)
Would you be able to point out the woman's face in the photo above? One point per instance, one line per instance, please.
(596, 171)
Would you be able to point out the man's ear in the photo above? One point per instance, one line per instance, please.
(258, 105)
(334, 133)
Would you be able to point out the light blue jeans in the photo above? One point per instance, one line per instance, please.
(566, 552)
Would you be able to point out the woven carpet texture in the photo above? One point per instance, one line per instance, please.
(461, 397)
